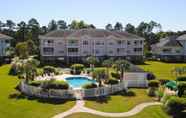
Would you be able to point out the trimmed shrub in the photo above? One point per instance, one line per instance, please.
(115, 75)
(89, 86)
(112, 81)
(153, 83)
(35, 83)
(163, 81)
(57, 84)
(77, 68)
(49, 69)
(151, 76)
(175, 105)
(181, 78)
(181, 88)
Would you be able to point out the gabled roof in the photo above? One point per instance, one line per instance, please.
(169, 41)
(93, 33)
(182, 37)
(3, 36)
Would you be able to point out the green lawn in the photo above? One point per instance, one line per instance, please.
(120, 103)
(22, 107)
(149, 112)
(161, 70)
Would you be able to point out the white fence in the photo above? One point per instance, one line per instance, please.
(70, 94)
(137, 79)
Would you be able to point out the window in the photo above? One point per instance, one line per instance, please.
(85, 42)
(135, 42)
(110, 43)
(99, 43)
(48, 42)
(73, 42)
(119, 50)
(48, 51)
(110, 51)
(141, 42)
(137, 49)
(7, 41)
(61, 52)
(119, 42)
(166, 50)
(72, 50)
(128, 42)
(97, 51)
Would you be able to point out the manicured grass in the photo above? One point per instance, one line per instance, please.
(120, 103)
(161, 70)
(20, 107)
(149, 112)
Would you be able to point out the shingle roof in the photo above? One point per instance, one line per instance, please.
(169, 41)
(182, 37)
(91, 33)
(2, 36)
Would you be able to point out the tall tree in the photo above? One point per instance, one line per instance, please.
(10, 24)
(1, 25)
(44, 30)
(109, 27)
(34, 30)
(52, 25)
(22, 30)
(91, 26)
(61, 24)
(118, 26)
(74, 25)
(130, 28)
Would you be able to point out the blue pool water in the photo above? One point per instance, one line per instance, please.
(78, 82)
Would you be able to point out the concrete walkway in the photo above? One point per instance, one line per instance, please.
(79, 107)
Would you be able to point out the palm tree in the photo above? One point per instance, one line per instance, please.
(100, 75)
(25, 67)
(107, 63)
(92, 61)
(121, 66)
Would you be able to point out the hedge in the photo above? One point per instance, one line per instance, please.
(112, 81)
(151, 76)
(153, 83)
(181, 78)
(115, 75)
(181, 88)
(49, 69)
(175, 105)
(90, 85)
(50, 84)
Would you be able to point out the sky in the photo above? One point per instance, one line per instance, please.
(171, 14)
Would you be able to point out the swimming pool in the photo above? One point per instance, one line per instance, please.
(78, 82)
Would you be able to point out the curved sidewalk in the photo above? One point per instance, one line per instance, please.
(79, 107)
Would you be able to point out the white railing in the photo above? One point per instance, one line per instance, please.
(70, 94)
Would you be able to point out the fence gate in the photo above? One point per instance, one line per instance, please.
(78, 93)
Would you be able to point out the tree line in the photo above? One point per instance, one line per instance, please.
(30, 31)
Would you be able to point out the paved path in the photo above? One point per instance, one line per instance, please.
(79, 107)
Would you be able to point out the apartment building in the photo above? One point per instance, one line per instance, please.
(77, 45)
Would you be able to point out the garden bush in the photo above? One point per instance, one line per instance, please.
(112, 81)
(115, 75)
(77, 68)
(150, 76)
(163, 81)
(49, 69)
(89, 86)
(153, 83)
(181, 78)
(181, 88)
(175, 105)
(35, 83)
(57, 84)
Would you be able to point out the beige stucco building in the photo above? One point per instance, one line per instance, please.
(76, 45)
